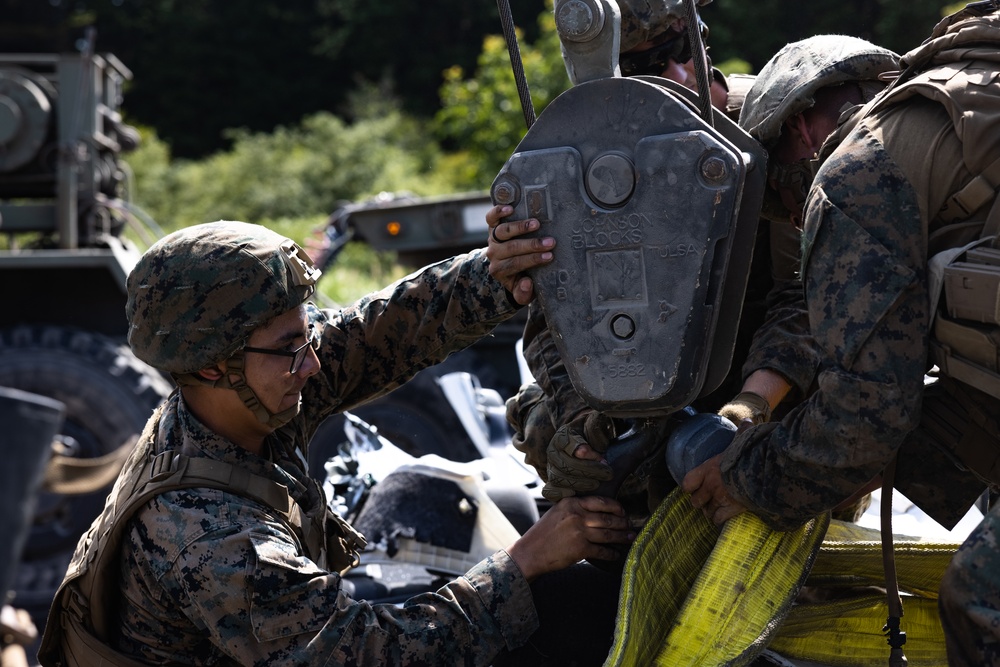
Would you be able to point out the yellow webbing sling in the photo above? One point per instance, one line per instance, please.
(850, 556)
(848, 632)
(694, 595)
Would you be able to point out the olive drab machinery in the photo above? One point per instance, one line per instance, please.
(64, 205)
(653, 206)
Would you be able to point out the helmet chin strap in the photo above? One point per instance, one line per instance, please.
(235, 369)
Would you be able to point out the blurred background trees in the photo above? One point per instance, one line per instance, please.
(204, 66)
(276, 110)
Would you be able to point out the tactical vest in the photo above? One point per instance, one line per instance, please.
(958, 68)
(84, 611)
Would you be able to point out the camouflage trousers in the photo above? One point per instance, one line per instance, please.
(969, 599)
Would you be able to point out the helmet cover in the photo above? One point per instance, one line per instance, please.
(788, 83)
(197, 294)
(645, 20)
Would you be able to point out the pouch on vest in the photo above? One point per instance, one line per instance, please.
(965, 346)
(966, 336)
(654, 212)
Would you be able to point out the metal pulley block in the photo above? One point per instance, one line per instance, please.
(654, 212)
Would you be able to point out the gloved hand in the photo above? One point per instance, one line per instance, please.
(747, 406)
(568, 475)
(529, 418)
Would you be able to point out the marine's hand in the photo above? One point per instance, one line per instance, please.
(762, 391)
(572, 530)
(529, 419)
(746, 410)
(511, 256)
(575, 457)
(709, 494)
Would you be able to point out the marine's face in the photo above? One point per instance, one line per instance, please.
(669, 57)
(268, 375)
(664, 56)
(801, 138)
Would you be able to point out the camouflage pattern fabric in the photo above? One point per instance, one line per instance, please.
(865, 280)
(866, 247)
(774, 319)
(645, 20)
(806, 66)
(184, 315)
(211, 578)
(970, 611)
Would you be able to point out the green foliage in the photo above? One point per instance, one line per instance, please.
(952, 8)
(202, 67)
(291, 178)
(482, 114)
(205, 66)
(359, 270)
(291, 173)
(734, 66)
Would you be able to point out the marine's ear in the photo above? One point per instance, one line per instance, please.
(212, 373)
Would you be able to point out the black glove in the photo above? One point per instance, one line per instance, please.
(528, 416)
(568, 475)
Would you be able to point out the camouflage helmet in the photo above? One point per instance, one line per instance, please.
(197, 294)
(788, 83)
(644, 20)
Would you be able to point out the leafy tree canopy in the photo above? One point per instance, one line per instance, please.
(203, 67)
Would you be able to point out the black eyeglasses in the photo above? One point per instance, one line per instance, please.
(298, 355)
(655, 59)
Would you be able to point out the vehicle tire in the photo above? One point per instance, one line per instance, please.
(109, 395)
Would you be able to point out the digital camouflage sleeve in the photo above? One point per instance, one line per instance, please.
(865, 277)
(387, 337)
(782, 342)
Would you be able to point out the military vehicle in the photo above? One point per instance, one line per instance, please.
(64, 205)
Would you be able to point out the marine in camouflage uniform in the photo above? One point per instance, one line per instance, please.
(213, 576)
(875, 215)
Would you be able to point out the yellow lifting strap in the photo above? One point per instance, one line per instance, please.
(848, 632)
(851, 556)
(694, 595)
